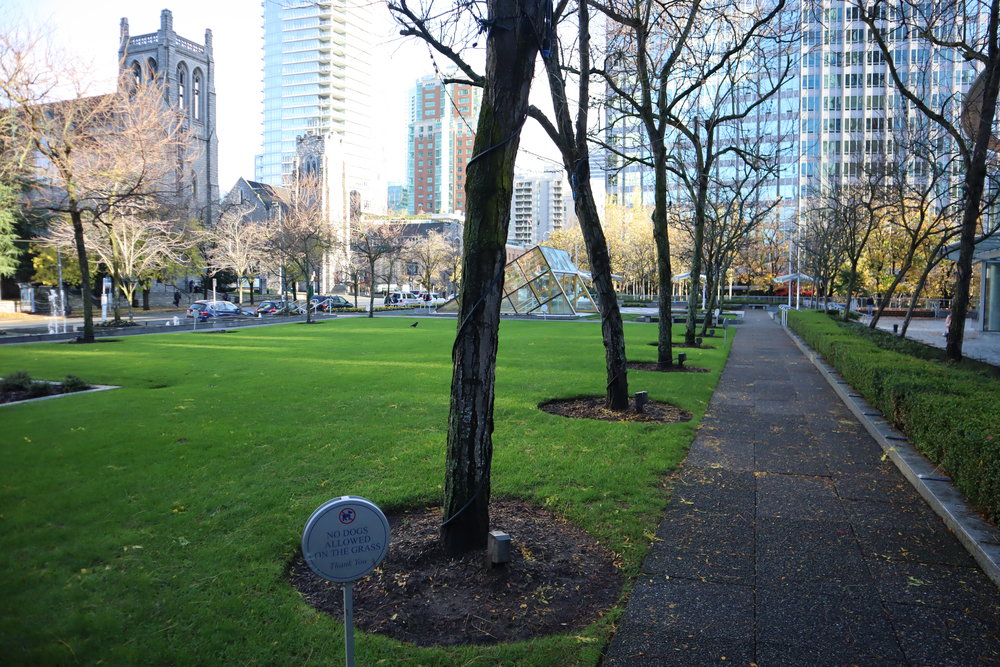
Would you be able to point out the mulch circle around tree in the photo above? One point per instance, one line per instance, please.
(79, 341)
(592, 407)
(653, 366)
(689, 347)
(559, 579)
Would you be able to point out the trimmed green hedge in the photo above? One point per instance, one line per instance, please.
(949, 412)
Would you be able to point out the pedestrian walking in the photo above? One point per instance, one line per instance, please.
(177, 298)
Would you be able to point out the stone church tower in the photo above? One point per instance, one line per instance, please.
(187, 70)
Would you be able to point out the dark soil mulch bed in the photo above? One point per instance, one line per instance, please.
(689, 347)
(54, 390)
(592, 407)
(559, 579)
(79, 341)
(653, 366)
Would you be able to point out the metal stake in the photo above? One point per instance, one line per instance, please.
(349, 624)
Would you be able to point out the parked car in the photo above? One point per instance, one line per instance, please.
(432, 299)
(206, 309)
(336, 301)
(271, 307)
(327, 303)
(402, 299)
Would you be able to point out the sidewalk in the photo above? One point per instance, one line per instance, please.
(788, 540)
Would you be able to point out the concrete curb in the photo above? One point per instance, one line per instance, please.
(981, 539)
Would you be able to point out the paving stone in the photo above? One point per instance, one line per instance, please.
(833, 629)
(682, 609)
(876, 483)
(798, 496)
(706, 549)
(906, 532)
(712, 490)
(818, 556)
(713, 448)
(773, 654)
(790, 457)
(944, 637)
(679, 651)
(943, 586)
(776, 390)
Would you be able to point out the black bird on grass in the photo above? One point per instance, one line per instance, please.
(414, 324)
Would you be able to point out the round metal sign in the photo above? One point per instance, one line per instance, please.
(345, 539)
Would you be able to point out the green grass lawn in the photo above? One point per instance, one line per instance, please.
(153, 523)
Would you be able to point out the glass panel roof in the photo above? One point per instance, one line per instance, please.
(541, 281)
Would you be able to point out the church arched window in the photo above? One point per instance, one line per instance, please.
(182, 83)
(151, 68)
(136, 74)
(196, 95)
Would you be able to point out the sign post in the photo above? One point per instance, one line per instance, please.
(344, 540)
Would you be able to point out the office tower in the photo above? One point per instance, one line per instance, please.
(440, 137)
(539, 206)
(319, 79)
(838, 110)
(187, 70)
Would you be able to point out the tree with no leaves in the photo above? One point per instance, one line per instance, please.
(91, 153)
(514, 33)
(432, 254)
(132, 248)
(373, 242)
(683, 77)
(238, 245)
(958, 31)
(300, 235)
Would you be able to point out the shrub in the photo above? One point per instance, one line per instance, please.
(17, 381)
(949, 412)
(72, 383)
(39, 388)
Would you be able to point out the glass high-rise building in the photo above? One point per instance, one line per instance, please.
(839, 109)
(319, 78)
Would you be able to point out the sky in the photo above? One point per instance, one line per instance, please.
(87, 31)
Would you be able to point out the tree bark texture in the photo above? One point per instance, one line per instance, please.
(572, 145)
(612, 331)
(514, 30)
(664, 346)
(85, 289)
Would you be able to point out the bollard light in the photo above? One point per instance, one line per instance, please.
(641, 398)
(498, 547)
(681, 358)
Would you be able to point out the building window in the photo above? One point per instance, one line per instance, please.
(196, 93)
(181, 88)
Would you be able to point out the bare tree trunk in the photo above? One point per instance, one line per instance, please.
(664, 345)
(371, 290)
(573, 146)
(696, 258)
(600, 265)
(511, 49)
(974, 181)
(85, 289)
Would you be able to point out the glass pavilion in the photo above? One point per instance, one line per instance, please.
(542, 281)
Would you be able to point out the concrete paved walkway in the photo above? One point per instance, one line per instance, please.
(789, 540)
